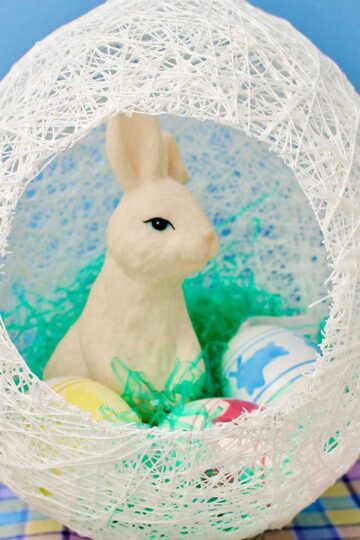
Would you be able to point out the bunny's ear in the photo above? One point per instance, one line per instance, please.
(134, 148)
(138, 152)
(175, 166)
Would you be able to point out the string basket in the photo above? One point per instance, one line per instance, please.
(269, 130)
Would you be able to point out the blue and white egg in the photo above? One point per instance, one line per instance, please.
(263, 362)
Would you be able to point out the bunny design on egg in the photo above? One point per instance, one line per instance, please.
(157, 236)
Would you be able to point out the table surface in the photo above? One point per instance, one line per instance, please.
(335, 516)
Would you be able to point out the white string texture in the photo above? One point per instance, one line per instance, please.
(226, 62)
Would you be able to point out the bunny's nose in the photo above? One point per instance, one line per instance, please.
(209, 237)
(212, 243)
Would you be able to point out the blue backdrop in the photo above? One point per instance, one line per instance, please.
(333, 25)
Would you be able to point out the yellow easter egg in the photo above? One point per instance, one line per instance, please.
(93, 397)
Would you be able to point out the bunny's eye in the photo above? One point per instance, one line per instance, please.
(159, 224)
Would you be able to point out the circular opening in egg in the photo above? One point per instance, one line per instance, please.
(271, 261)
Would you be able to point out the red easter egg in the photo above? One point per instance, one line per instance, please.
(235, 409)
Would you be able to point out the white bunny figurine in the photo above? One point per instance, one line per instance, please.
(157, 236)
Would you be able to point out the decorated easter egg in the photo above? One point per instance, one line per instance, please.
(263, 362)
(206, 412)
(93, 397)
(203, 413)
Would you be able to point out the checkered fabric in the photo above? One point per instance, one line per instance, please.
(335, 516)
(18, 522)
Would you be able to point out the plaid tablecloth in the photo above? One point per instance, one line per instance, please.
(335, 516)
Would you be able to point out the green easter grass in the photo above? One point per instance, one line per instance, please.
(217, 307)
